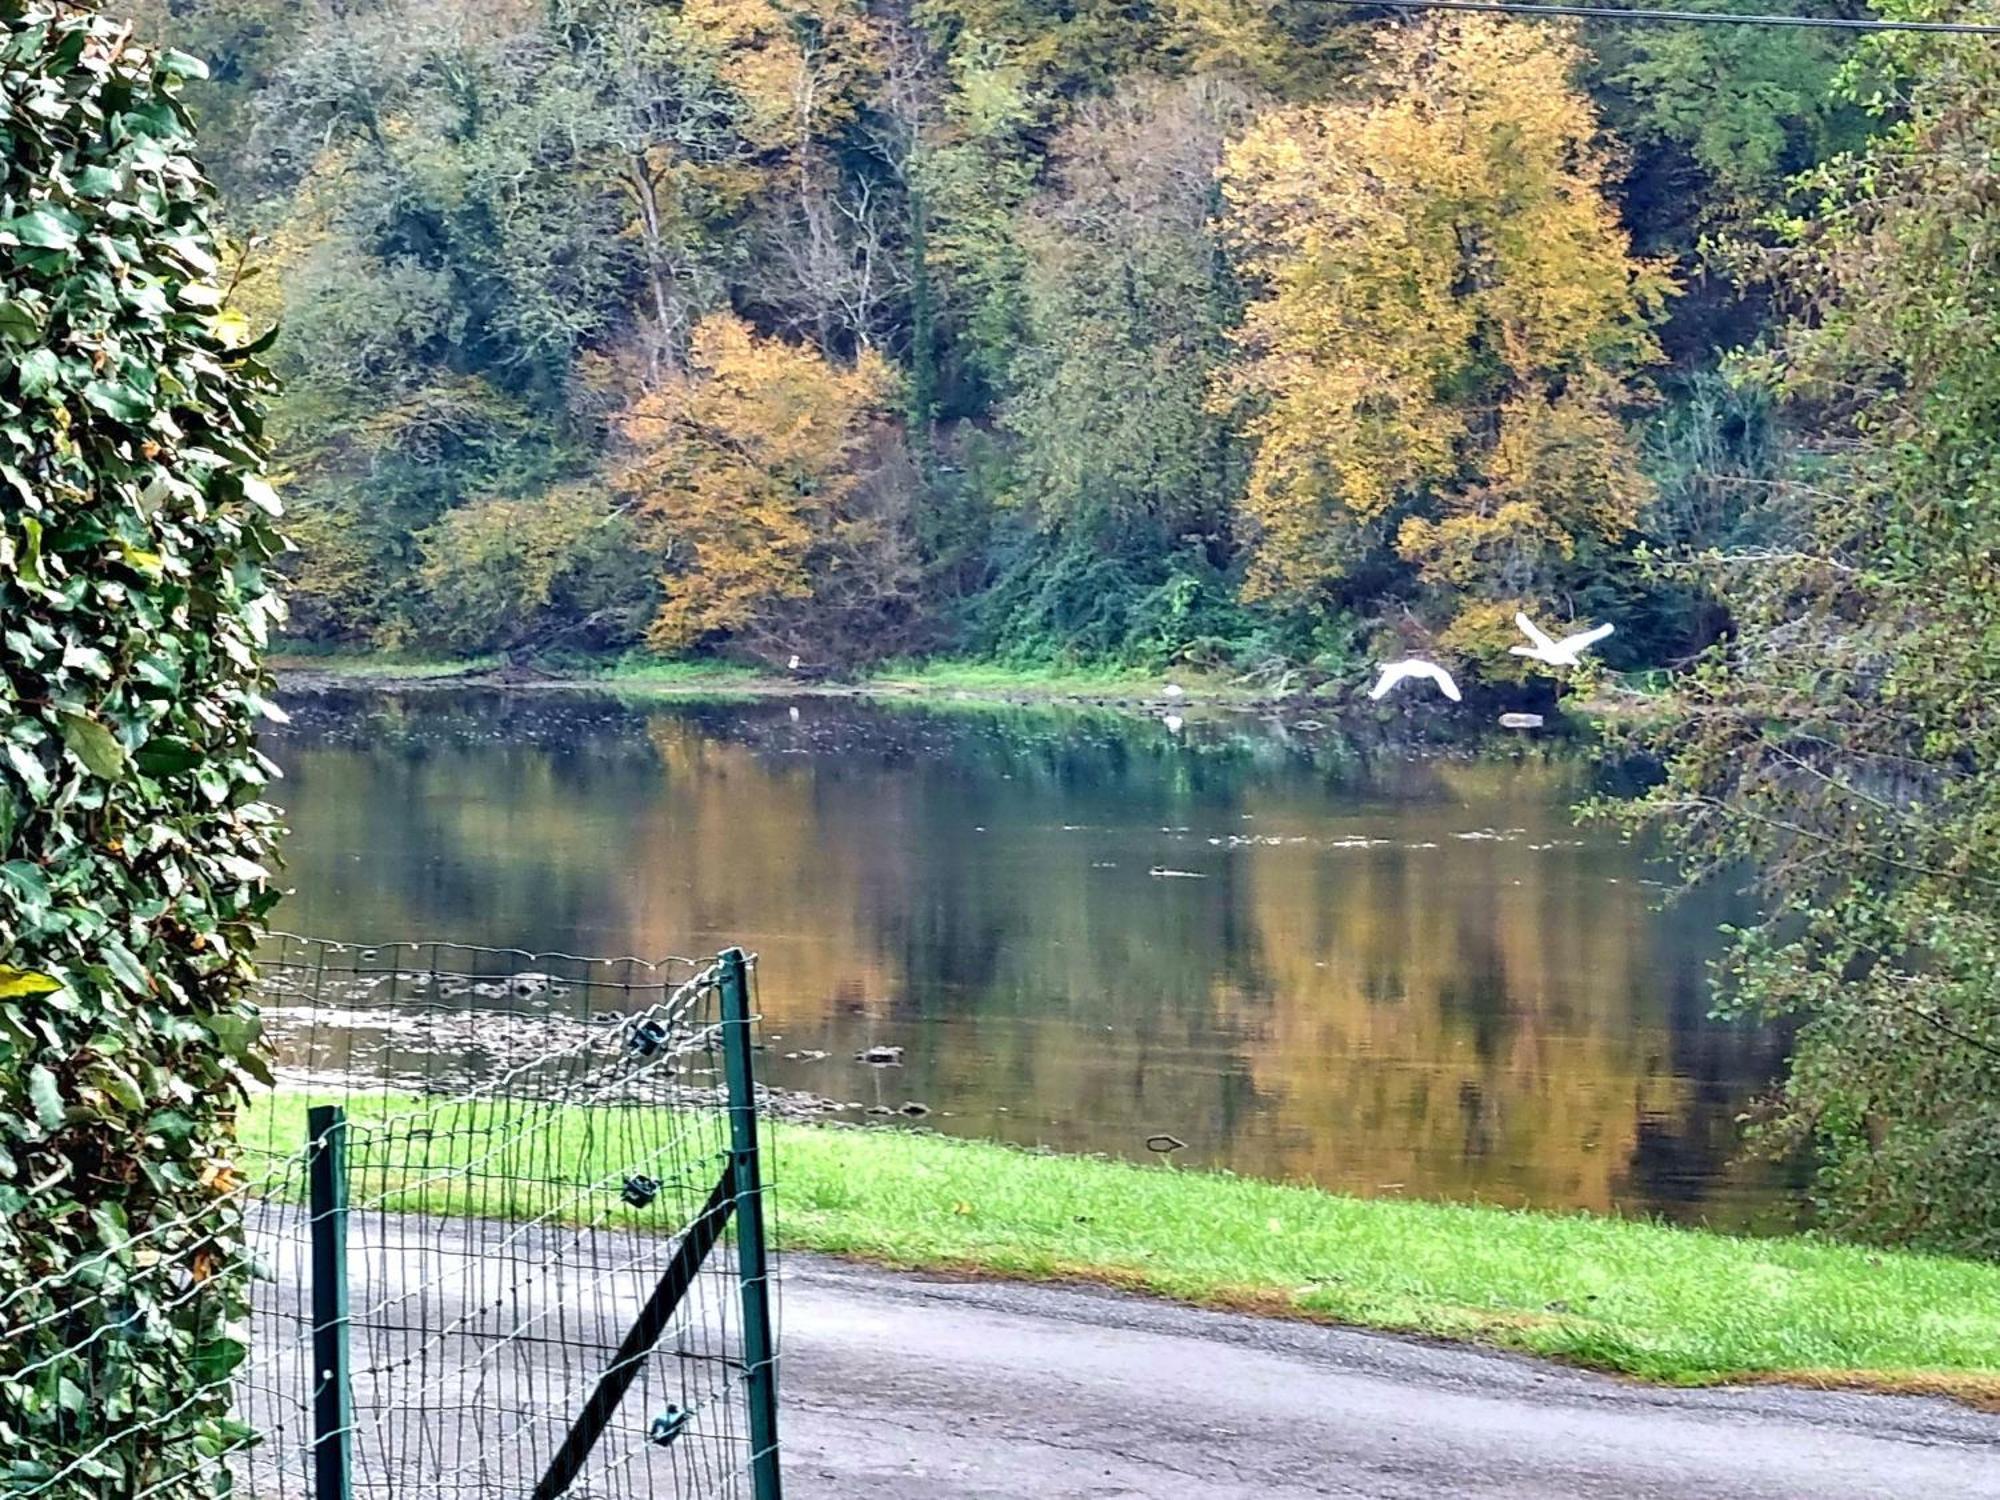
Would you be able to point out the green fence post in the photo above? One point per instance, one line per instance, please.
(333, 1398)
(760, 1367)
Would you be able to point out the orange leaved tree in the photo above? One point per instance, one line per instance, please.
(766, 477)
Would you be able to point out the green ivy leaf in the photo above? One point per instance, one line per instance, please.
(38, 372)
(19, 322)
(87, 660)
(97, 182)
(239, 868)
(113, 1232)
(256, 346)
(94, 745)
(237, 1035)
(167, 755)
(119, 399)
(126, 968)
(28, 766)
(216, 1358)
(27, 880)
(171, 1125)
(116, 1082)
(46, 228)
(213, 782)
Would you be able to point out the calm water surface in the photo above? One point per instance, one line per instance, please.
(1378, 969)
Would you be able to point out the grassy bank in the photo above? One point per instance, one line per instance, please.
(380, 667)
(1660, 1303)
(945, 676)
(942, 679)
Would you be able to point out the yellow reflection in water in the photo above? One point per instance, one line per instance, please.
(1414, 978)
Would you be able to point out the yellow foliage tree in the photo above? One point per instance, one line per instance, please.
(797, 70)
(1447, 324)
(749, 472)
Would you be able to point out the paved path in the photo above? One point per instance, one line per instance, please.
(476, 1344)
(899, 1387)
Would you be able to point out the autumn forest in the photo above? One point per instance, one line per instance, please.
(1219, 333)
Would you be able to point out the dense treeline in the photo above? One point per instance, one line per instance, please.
(1222, 332)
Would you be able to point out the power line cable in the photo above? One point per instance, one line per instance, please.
(1696, 17)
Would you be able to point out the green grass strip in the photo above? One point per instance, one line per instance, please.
(377, 666)
(1662, 1303)
(940, 677)
(953, 674)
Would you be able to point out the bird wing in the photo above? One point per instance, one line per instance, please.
(1401, 671)
(1392, 673)
(1533, 632)
(1585, 638)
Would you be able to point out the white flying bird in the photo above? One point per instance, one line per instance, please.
(1394, 673)
(1567, 652)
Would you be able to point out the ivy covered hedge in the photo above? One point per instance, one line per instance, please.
(135, 530)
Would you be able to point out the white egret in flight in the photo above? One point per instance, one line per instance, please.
(1567, 652)
(1395, 673)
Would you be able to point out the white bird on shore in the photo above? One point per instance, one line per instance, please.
(1567, 652)
(1174, 691)
(1395, 673)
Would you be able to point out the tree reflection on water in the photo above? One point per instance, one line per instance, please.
(1373, 966)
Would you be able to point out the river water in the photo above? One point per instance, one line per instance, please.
(1378, 968)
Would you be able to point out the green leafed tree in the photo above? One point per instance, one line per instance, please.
(564, 569)
(1715, 120)
(1126, 477)
(446, 240)
(1843, 743)
(135, 529)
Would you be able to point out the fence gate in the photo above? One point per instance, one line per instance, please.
(512, 1230)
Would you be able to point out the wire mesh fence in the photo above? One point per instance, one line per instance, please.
(504, 1219)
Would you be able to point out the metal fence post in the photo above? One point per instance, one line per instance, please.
(753, 1264)
(333, 1398)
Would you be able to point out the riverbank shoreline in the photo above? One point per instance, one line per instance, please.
(934, 682)
(940, 683)
(1672, 1306)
